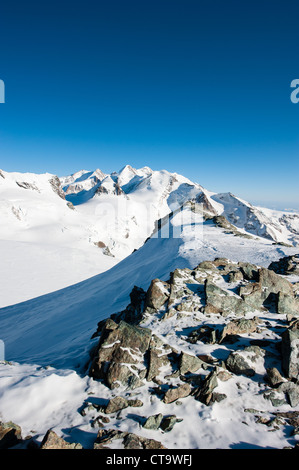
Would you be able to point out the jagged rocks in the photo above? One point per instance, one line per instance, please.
(287, 304)
(52, 441)
(10, 435)
(56, 186)
(120, 354)
(290, 351)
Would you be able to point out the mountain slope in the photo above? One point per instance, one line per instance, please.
(55, 328)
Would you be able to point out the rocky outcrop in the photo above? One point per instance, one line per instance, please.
(56, 186)
(240, 299)
(119, 359)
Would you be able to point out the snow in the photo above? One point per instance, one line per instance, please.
(56, 285)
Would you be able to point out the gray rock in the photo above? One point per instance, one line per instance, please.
(119, 346)
(204, 393)
(168, 423)
(239, 327)
(290, 351)
(116, 404)
(189, 363)
(237, 364)
(157, 294)
(273, 377)
(153, 422)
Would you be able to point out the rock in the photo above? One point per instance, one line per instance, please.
(249, 271)
(286, 265)
(239, 327)
(116, 404)
(157, 294)
(168, 423)
(237, 364)
(52, 441)
(273, 377)
(56, 186)
(252, 294)
(274, 283)
(221, 301)
(10, 435)
(235, 276)
(189, 363)
(153, 422)
(159, 355)
(288, 305)
(120, 346)
(290, 351)
(205, 333)
(204, 393)
(174, 394)
(129, 440)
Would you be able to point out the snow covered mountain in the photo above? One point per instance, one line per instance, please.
(69, 229)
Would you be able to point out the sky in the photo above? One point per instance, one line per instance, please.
(196, 87)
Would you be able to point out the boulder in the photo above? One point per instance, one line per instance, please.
(237, 364)
(221, 301)
(52, 441)
(290, 351)
(286, 265)
(10, 435)
(175, 393)
(239, 327)
(204, 393)
(189, 363)
(157, 294)
(120, 348)
(129, 440)
(153, 422)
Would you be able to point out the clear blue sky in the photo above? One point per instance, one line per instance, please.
(199, 87)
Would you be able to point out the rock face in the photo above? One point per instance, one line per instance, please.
(120, 354)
